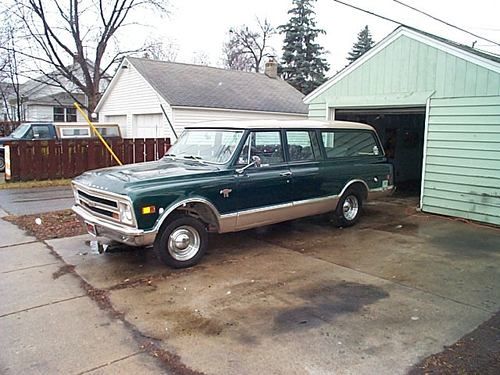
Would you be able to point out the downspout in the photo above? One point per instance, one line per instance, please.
(424, 157)
(168, 120)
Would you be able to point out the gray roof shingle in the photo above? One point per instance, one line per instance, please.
(189, 85)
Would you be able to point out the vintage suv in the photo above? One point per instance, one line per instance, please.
(231, 176)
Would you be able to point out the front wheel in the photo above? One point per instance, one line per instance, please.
(2, 163)
(349, 209)
(182, 242)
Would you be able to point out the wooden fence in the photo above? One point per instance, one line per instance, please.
(47, 160)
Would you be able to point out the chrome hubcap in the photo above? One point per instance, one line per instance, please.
(350, 207)
(184, 243)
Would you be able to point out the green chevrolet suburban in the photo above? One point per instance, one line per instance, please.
(230, 176)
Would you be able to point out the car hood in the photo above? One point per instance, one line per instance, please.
(5, 139)
(119, 179)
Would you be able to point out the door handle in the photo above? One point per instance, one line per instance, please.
(286, 174)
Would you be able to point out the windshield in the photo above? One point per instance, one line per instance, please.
(208, 145)
(20, 130)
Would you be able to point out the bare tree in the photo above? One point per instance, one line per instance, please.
(161, 49)
(10, 72)
(201, 58)
(247, 48)
(78, 31)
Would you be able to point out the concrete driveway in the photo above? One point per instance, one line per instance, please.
(305, 297)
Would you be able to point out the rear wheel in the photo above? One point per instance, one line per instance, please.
(182, 242)
(349, 208)
(2, 163)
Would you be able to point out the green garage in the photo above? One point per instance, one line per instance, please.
(436, 107)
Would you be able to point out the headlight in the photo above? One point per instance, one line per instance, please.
(126, 216)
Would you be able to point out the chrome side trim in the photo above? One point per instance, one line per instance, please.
(283, 212)
(353, 182)
(227, 223)
(380, 192)
(185, 202)
(263, 216)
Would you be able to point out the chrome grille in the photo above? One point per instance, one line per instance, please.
(98, 204)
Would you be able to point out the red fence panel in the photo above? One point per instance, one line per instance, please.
(42, 160)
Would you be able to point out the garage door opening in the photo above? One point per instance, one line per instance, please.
(401, 131)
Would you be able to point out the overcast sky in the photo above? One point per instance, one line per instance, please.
(198, 26)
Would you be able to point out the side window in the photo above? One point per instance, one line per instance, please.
(41, 131)
(75, 132)
(70, 114)
(58, 114)
(264, 144)
(345, 143)
(299, 145)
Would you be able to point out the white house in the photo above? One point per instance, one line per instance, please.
(47, 97)
(143, 93)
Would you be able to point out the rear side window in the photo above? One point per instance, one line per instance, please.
(349, 143)
(299, 145)
(109, 132)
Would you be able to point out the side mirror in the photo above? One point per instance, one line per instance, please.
(36, 135)
(256, 161)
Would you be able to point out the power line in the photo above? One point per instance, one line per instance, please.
(371, 13)
(401, 23)
(445, 22)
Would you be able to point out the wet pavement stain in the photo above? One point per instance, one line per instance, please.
(189, 323)
(324, 303)
(467, 243)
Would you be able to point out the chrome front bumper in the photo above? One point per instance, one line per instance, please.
(115, 231)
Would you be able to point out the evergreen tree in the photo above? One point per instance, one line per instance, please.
(302, 63)
(363, 44)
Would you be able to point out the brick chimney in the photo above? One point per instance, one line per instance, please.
(271, 69)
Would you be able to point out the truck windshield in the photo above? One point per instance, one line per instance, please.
(206, 145)
(20, 131)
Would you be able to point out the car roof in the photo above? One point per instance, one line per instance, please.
(279, 124)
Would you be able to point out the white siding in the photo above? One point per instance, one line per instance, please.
(35, 112)
(40, 113)
(462, 171)
(131, 95)
(184, 117)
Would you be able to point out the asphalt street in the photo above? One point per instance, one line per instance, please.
(35, 200)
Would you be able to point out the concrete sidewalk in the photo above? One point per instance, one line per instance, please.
(49, 325)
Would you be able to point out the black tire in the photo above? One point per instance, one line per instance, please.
(181, 242)
(349, 208)
(2, 163)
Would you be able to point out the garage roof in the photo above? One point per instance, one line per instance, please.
(187, 85)
(480, 58)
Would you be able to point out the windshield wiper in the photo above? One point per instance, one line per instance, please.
(193, 157)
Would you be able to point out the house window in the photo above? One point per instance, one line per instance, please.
(64, 114)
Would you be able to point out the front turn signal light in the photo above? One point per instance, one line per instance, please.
(148, 210)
